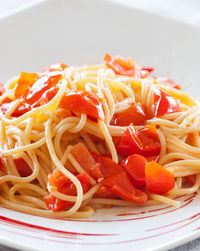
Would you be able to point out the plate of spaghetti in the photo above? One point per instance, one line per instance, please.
(97, 155)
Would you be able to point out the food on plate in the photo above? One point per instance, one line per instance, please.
(77, 138)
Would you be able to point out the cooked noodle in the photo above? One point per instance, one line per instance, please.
(44, 140)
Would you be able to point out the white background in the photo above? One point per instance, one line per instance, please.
(187, 11)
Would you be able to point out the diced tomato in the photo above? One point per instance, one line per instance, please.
(150, 140)
(31, 87)
(21, 109)
(116, 181)
(104, 192)
(65, 186)
(158, 179)
(126, 67)
(164, 103)
(56, 205)
(2, 89)
(6, 104)
(129, 142)
(22, 167)
(55, 67)
(107, 166)
(134, 114)
(121, 186)
(48, 95)
(43, 84)
(135, 167)
(1, 163)
(144, 142)
(25, 81)
(191, 179)
(169, 82)
(116, 140)
(86, 160)
(83, 102)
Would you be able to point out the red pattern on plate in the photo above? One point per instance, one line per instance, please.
(62, 235)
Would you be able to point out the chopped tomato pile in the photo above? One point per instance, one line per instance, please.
(65, 186)
(132, 180)
(144, 141)
(138, 174)
(164, 103)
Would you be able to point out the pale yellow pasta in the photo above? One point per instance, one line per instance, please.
(44, 139)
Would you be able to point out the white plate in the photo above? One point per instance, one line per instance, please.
(80, 32)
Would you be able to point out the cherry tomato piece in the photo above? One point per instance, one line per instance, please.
(164, 103)
(135, 167)
(83, 102)
(134, 114)
(158, 179)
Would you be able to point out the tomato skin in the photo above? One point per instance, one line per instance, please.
(2, 89)
(116, 182)
(56, 205)
(164, 103)
(169, 82)
(129, 142)
(158, 179)
(23, 169)
(135, 167)
(144, 141)
(55, 67)
(191, 179)
(107, 166)
(5, 104)
(25, 81)
(65, 186)
(31, 87)
(86, 160)
(150, 140)
(104, 192)
(121, 186)
(126, 67)
(83, 102)
(48, 95)
(134, 114)
(20, 110)
(43, 84)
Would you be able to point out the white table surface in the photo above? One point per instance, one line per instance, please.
(187, 11)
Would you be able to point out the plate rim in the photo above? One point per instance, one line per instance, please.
(6, 241)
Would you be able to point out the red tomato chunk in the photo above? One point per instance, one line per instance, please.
(83, 102)
(164, 103)
(86, 160)
(134, 114)
(22, 167)
(135, 167)
(65, 186)
(158, 179)
(144, 141)
(126, 67)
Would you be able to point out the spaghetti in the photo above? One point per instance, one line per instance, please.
(77, 138)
